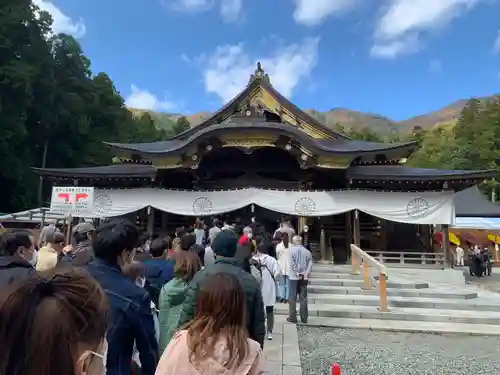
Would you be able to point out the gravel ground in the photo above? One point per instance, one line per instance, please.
(365, 352)
(491, 283)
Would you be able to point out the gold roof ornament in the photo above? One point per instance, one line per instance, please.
(259, 74)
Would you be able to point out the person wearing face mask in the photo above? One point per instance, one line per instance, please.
(54, 323)
(131, 315)
(17, 257)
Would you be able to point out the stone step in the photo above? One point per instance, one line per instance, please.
(359, 283)
(317, 267)
(407, 326)
(411, 292)
(333, 276)
(413, 302)
(399, 313)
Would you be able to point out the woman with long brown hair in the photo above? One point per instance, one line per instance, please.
(54, 323)
(173, 294)
(216, 340)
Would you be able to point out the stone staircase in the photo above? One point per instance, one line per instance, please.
(336, 299)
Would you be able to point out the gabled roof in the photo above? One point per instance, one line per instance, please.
(472, 203)
(260, 79)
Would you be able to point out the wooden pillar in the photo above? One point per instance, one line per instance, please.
(348, 232)
(164, 221)
(356, 229)
(42, 220)
(301, 224)
(322, 244)
(383, 235)
(446, 246)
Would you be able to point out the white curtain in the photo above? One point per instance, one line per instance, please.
(404, 207)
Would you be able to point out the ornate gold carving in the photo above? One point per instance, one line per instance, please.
(261, 98)
(248, 143)
(333, 162)
(169, 162)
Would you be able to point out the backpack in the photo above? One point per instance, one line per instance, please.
(256, 270)
(153, 286)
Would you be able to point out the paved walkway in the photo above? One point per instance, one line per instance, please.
(282, 353)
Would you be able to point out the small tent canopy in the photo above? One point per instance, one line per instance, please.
(472, 203)
(37, 215)
(474, 211)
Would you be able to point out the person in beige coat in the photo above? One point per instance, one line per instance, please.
(48, 256)
(215, 342)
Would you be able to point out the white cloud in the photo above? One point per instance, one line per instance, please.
(496, 45)
(229, 67)
(392, 49)
(62, 23)
(314, 12)
(142, 99)
(230, 10)
(399, 30)
(190, 5)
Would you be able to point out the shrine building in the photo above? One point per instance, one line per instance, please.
(260, 155)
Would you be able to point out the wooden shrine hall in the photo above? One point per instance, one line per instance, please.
(260, 140)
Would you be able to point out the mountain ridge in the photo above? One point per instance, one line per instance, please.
(350, 119)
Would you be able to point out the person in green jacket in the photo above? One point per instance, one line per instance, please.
(173, 294)
(224, 248)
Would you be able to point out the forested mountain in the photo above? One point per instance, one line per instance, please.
(350, 119)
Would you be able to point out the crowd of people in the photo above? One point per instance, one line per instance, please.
(480, 260)
(198, 302)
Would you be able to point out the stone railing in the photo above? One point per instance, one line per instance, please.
(372, 269)
(407, 257)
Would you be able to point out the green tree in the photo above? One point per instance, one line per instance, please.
(181, 125)
(53, 111)
(145, 129)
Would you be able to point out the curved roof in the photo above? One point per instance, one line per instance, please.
(340, 146)
(114, 171)
(472, 203)
(231, 107)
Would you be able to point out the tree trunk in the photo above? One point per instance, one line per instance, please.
(40, 182)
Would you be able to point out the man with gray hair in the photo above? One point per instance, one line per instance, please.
(209, 257)
(300, 260)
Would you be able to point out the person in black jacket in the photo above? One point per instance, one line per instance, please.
(17, 255)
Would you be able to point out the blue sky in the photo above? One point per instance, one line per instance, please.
(397, 58)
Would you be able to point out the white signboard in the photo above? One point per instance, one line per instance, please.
(72, 200)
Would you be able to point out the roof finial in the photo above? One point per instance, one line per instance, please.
(259, 69)
(259, 74)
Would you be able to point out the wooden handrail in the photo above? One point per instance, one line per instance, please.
(361, 259)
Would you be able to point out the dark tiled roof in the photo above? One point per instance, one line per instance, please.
(472, 203)
(401, 172)
(116, 170)
(347, 146)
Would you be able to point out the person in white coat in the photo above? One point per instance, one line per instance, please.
(282, 254)
(271, 272)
